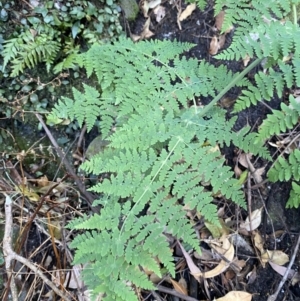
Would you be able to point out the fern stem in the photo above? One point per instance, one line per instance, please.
(235, 80)
(295, 14)
(154, 177)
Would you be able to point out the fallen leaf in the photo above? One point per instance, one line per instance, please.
(251, 276)
(179, 287)
(159, 11)
(236, 296)
(219, 20)
(255, 221)
(222, 39)
(246, 60)
(146, 5)
(275, 256)
(226, 249)
(282, 270)
(292, 274)
(146, 32)
(193, 268)
(257, 175)
(187, 12)
(214, 46)
(28, 192)
(258, 242)
(244, 159)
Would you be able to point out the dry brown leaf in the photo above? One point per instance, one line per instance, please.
(257, 175)
(237, 171)
(214, 46)
(222, 39)
(146, 5)
(275, 256)
(226, 249)
(244, 159)
(258, 242)
(251, 276)
(282, 270)
(246, 60)
(193, 268)
(255, 220)
(42, 181)
(187, 12)
(179, 287)
(146, 32)
(159, 11)
(220, 19)
(240, 263)
(134, 37)
(73, 278)
(236, 296)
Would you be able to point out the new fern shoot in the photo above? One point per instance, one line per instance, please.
(161, 148)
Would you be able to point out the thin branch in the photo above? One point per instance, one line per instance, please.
(284, 278)
(10, 255)
(174, 293)
(89, 197)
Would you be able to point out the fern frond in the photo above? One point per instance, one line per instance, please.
(158, 156)
(29, 49)
(279, 121)
(284, 170)
(87, 107)
(294, 199)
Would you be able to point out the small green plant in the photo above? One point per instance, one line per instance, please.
(161, 149)
(284, 169)
(54, 32)
(161, 141)
(269, 31)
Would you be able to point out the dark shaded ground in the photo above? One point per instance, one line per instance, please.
(198, 29)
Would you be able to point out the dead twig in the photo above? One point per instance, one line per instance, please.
(287, 272)
(174, 293)
(10, 255)
(88, 196)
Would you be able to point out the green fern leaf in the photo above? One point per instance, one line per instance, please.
(160, 153)
(294, 199)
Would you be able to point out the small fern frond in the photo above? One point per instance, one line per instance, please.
(87, 107)
(279, 121)
(67, 63)
(294, 199)
(285, 169)
(30, 49)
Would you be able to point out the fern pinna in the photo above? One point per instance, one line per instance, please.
(161, 149)
(284, 169)
(30, 48)
(269, 30)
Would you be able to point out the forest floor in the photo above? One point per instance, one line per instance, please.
(279, 227)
